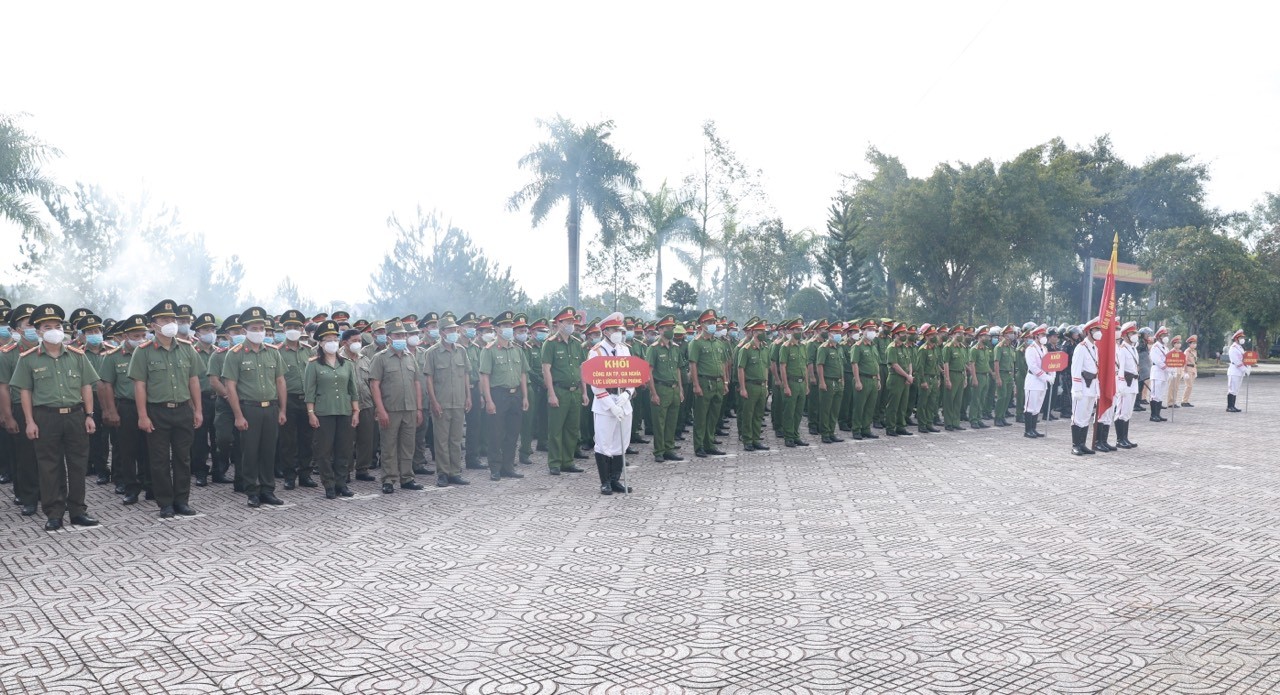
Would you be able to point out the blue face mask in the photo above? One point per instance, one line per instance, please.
(451, 337)
(380, 339)
(224, 343)
(434, 333)
(541, 335)
(5, 333)
(507, 333)
(471, 332)
(237, 339)
(399, 345)
(30, 335)
(93, 339)
(269, 340)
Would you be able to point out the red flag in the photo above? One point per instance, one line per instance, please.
(1107, 346)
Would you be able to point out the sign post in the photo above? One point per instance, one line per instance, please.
(1052, 362)
(1250, 359)
(622, 372)
(1174, 359)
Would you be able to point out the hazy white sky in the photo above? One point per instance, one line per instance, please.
(274, 125)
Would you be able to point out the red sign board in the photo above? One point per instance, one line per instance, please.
(1054, 361)
(615, 372)
(1250, 358)
(1175, 359)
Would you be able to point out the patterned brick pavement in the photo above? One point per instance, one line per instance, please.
(974, 562)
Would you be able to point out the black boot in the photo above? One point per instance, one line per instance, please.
(615, 475)
(1029, 426)
(1101, 444)
(1156, 407)
(603, 469)
(1122, 435)
(1231, 404)
(1077, 440)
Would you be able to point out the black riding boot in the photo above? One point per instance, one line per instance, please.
(1104, 431)
(615, 475)
(603, 466)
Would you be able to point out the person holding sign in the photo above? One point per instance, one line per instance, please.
(1236, 371)
(1084, 388)
(1174, 375)
(1037, 381)
(611, 410)
(1127, 384)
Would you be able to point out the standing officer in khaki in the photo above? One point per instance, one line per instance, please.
(204, 328)
(166, 388)
(504, 385)
(26, 476)
(397, 403)
(295, 436)
(666, 390)
(226, 436)
(562, 358)
(56, 383)
(449, 391)
(253, 375)
(708, 370)
(753, 376)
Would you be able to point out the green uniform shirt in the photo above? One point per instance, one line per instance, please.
(8, 362)
(882, 347)
(710, 356)
(397, 377)
(811, 353)
(166, 372)
(867, 357)
(504, 365)
(295, 365)
(981, 359)
(331, 388)
(362, 380)
(1008, 357)
(928, 361)
(830, 357)
(900, 356)
(565, 355)
(533, 358)
(450, 374)
(204, 352)
(795, 359)
(754, 361)
(955, 357)
(54, 381)
(115, 371)
(253, 371)
(664, 363)
(473, 354)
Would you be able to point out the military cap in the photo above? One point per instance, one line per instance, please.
(836, 327)
(293, 316)
(396, 326)
(504, 317)
(428, 318)
(1192, 339)
(484, 323)
(1234, 336)
(166, 307)
(593, 326)
(252, 314)
(410, 326)
(78, 314)
(340, 316)
(1177, 339)
(886, 322)
(794, 324)
(4, 303)
(204, 320)
(319, 317)
(1037, 331)
(87, 322)
(707, 316)
(137, 322)
(361, 325)
(614, 320)
(1161, 331)
(911, 329)
(377, 325)
(679, 330)
(47, 312)
(451, 315)
(899, 328)
(1132, 327)
(326, 328)
(4, 315)
(539, 325)
(447, 321)
(667, 321)
(628, 322)
(520, 321)
(185, 311)
(230, 322)
(927, 329)
(820, 325)
(469, 317)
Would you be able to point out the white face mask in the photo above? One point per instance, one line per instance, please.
(1164, 340)
(136, 343)
(615, 337)
(869, 335)
(53, 336)
(489, 337)
(256, 337)
(1133, 339)
(1240, 341)
(1095, 334)
(169, 330)
(292, 334)
(331, 347)
(414, 340)
(208, 338)
(1044, 339)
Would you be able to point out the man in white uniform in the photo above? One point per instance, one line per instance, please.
(1159, 373)
(1084, 387)
(611, 410)
(1236, 371)
(1127, 383)
(1037, 381)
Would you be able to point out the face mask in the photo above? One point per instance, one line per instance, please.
(837, 338)
(292, 334)
(135, 343)
(522, 336)
(1133, 339)
(1095, 334)
(380, 340)
(1164, 340)
(434, 333)
(489, 337)
(331, 347)
(709, 329)
(184, 328)
(415, 340)
(151, 336)
(5, 333)
(169, 330)
(237, 339)
(208, 338)
(1240, 341)
(1043, 339)
(507, 333)
(399, 345)
(471, 332)
(93, 339)
(797, 336)
(566, 328)
(616, 337)
(224, 344)
(669, 335)
(451, 337)
(269, 340)
(54, 336)
(256, 337)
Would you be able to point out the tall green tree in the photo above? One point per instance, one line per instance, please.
(662, 217)
(79, 266)
(621, 272)
(723, 191)
(847, 271)
(775, 264)
(581, 167)
(1201, 273)
(875, 199)
(22, 183)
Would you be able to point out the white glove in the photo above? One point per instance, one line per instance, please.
(616, 410)
(1047, 379)
(624, 394)
(1248, 371)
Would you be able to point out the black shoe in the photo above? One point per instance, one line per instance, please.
(716, 452)
(904, 432)
(166, 513)
(28, 510)
(475, 466)
(526, 460)
(422, 470)
(120, 489)
(365, 477)
(571, 469)
(1139, 409)
(183, 509)
(801, 442)
(442, 480)
(330, 493)
(388, 488)
(306, 481)
(699, 453)
(289, 484)
(606, 489)
(554, 471)
(495, 476)
(581, 456)
(345, 491)
(1174, 405)
(932, 430)
(149, 495)
(458, 480)
(103, 479)
(53, 524)
(219, 480)
(671, 456)
(540, 447)
(632, 452)
(846, 428)
(83, 520)
(679, 437)
(870, 435)
(131, 499)
(639, 440)
(411, 485)
(1000, 422)
(255, 501)
(511, 474)
(270, 498)
(761, 447)
(825, 439)
(1187, 405)
(748, 447)
(791, 443)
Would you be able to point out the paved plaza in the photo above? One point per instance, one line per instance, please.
(975, 562)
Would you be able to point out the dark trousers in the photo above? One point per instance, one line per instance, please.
(258, 447)
(133, 468)
(6, 454)
(366, 439)
(26, 475)
(205, 441)
(503, 428)
(295, 440)
(62, 457)
(475, 430)
(99, 444)
(226, 437)
(332, 450)
(169, 448)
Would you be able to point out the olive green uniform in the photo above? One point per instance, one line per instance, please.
(204, 445)
(753, 360)
(709, 356)
(812, 398)
(225, 435)
(396, 374)
(565, 355)
(537, 412)
(955, 357)
(295, 436)
(26, 474)
(129, 444)
(866, 356)
(475, 436)
(664, 366)
(167, 374)
(895, 411)
(330, 391)
(982, 360)
(929, 376)
(255, 374)
(506, 368)
(845, 420)
(1008, 358)
(449, 377)
(794, 359)
(831, 391)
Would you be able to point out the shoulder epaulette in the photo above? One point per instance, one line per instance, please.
(145, 344)
(185, 341)
(74, 349)
(235, 348)
(111, 351)
(9, 348)
(273, 346)
(313, 358)
(28, 352)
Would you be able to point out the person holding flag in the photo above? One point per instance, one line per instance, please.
(1084, 386)
(1103, 337)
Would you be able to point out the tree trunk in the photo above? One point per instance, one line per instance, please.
(575, 228)
(657, 278)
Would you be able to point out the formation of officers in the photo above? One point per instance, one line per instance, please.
(154, 403)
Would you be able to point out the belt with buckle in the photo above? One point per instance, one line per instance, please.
(61, 410)
(257, 404)
(503, 388)
(664, 383)
(169, 405)
(755, 381)
(571, 388)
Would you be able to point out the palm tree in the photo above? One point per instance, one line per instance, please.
(579, 166)
(663, 217)
(21, 182)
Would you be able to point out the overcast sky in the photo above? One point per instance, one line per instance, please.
(273, 126)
